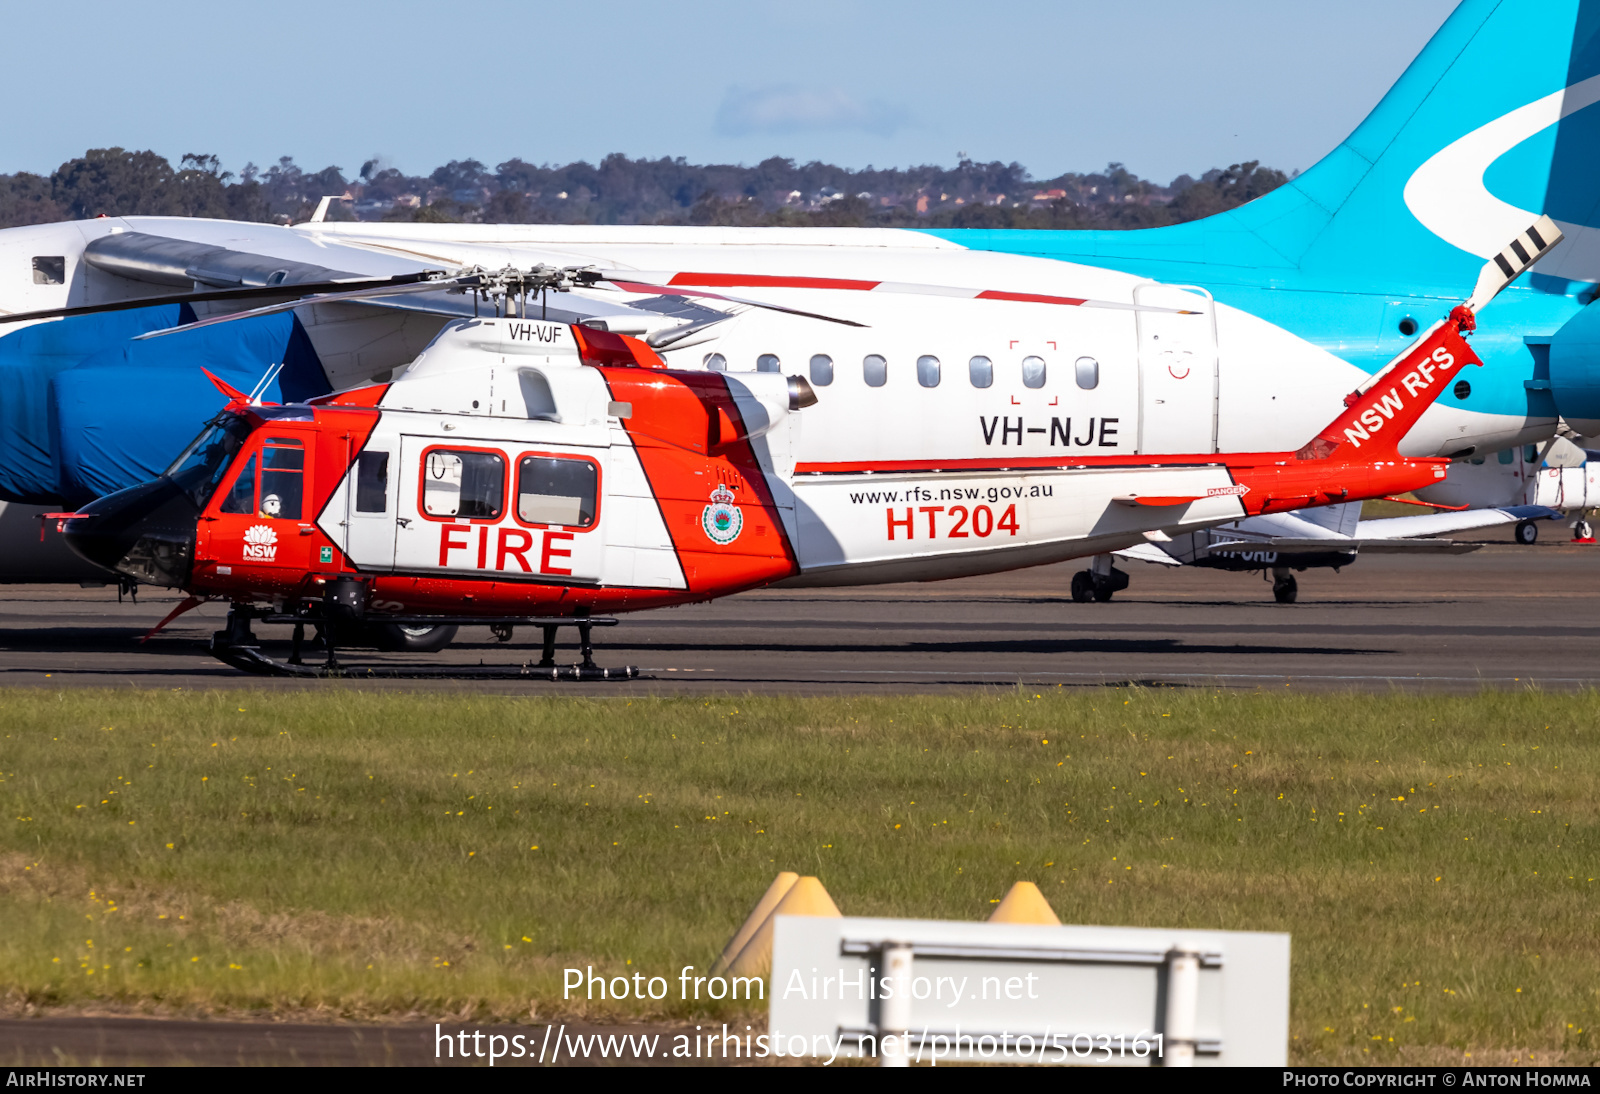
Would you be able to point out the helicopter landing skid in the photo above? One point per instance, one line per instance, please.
(238, 647)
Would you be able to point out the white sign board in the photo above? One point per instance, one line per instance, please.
(913, 990)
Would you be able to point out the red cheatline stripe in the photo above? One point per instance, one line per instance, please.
(1023, 463)
(770, 281)
(1031, 298)
(752, 281)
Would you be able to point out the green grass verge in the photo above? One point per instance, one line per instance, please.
(442, 854)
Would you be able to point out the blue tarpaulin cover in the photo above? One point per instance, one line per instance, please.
(29, 359)
(89, 411)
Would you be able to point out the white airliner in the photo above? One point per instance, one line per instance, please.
(528, 471)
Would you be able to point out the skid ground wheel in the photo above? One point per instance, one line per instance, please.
(1083, 586)
(1527, 532)
(1285, 589)
(407, 638)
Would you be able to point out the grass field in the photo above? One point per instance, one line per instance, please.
(376, 855)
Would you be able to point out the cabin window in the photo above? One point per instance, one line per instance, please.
(242, 498)
(49, 269)
(283, 476)
(875, 370)
(1462, 389)
(372, 482)
(555, 491)
(1086, 370)
(1033, 372)
(928, 371)
(822, 370)
(467, 485)
(768, 362)
(1506, 455)
(980, 370)
(1530, 453)
(716, 362)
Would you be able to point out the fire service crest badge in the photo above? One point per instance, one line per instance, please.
(721, 519)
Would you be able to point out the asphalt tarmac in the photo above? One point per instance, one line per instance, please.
(1503, 616)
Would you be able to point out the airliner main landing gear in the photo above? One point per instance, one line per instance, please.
(1284, 587)
(1099, 582)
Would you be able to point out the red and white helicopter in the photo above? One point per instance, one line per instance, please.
(528, 472)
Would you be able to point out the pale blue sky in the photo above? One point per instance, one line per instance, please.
(1165, 86)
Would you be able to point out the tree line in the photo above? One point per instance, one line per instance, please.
(620, 190)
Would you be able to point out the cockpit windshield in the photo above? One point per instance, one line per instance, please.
(201, 466)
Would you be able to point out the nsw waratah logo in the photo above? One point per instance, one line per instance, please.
(721, 519)
(260, 542)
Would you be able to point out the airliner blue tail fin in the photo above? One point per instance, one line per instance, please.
(1489, 127)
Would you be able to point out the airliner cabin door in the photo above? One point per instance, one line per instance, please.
(1177, 369)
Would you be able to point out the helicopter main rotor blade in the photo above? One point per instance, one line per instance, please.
(380, 284)
(444, 283)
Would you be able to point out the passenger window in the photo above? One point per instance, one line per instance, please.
(1087, 372)
(822, 370)
(242, 498)
(1476, 460)
(1506, 455)
(1530, 453)
(372, 482)
(468, 485)
(716, 362)
(282, 479)
(875, 370)
(768, 362)
(980, 370)
(49, 269)
(1033, 372)
(554, 491)
(928, 371)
